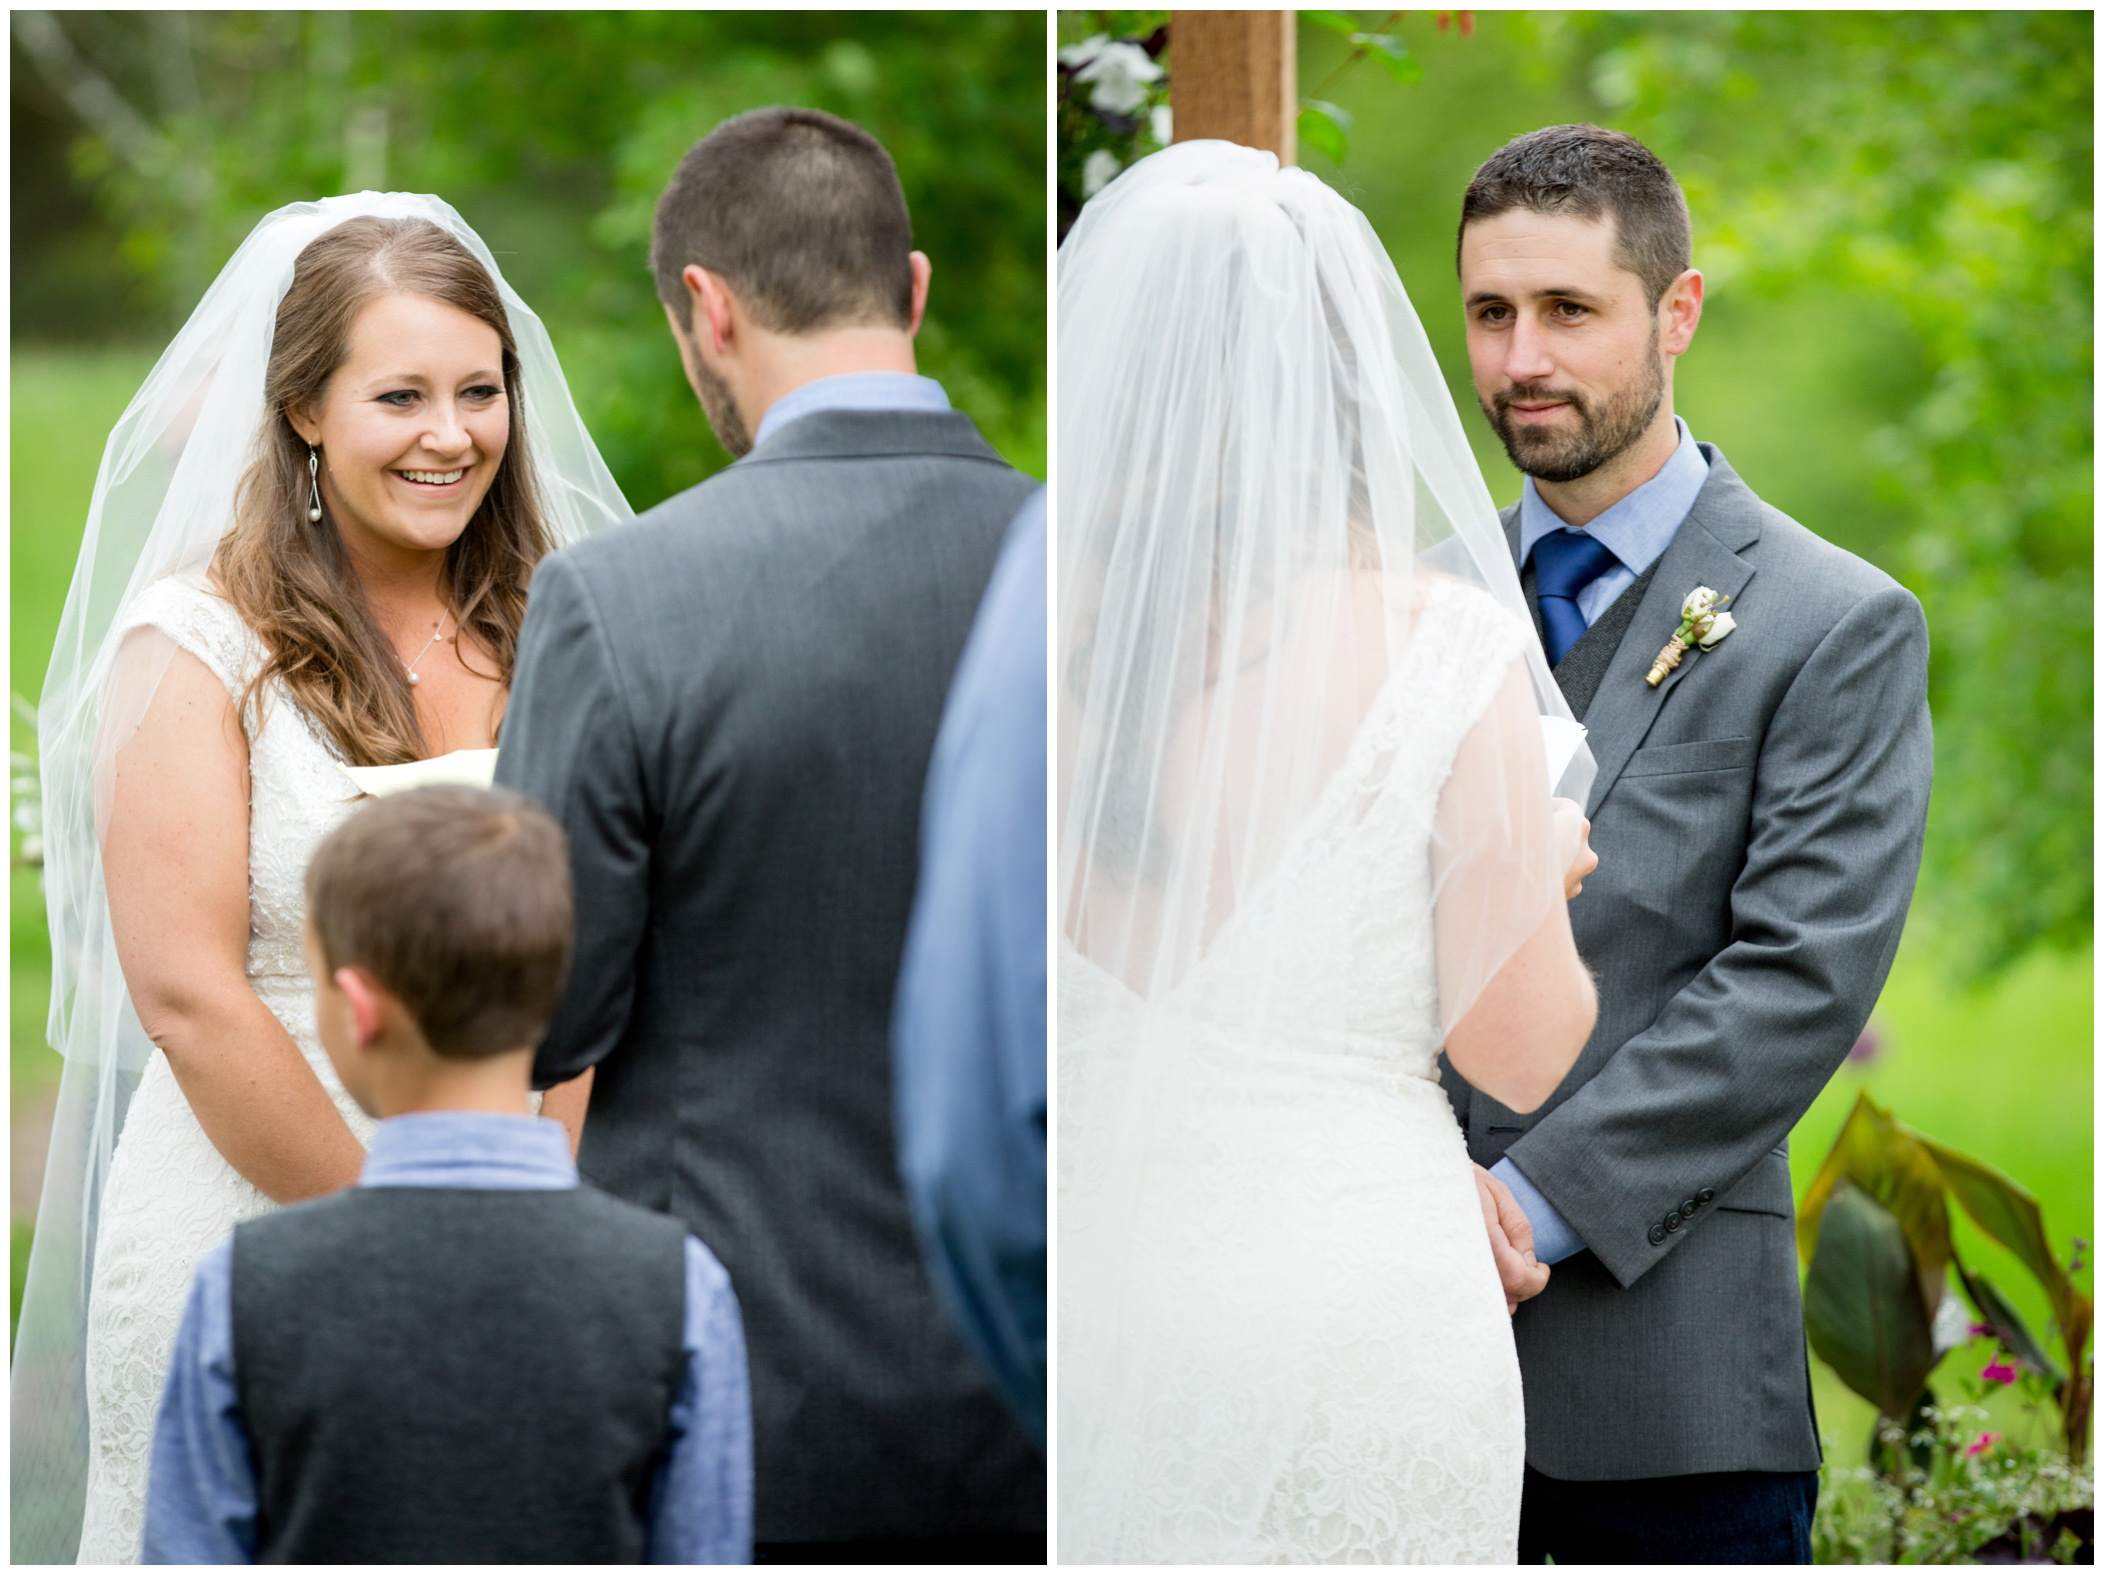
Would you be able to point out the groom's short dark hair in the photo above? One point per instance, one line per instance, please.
(1591, 172)
(457, 900)
(800, 211)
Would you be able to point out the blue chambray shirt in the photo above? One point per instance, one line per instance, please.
(1637, 531)
(968, 1027)
(852, 391)
(201, 1495)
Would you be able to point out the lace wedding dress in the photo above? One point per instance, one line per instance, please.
(171, 1196)
(1282, 1336)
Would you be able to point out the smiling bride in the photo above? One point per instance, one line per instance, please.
(309, 549)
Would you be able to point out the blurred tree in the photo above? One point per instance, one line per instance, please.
(1943, 162)
(552, 133)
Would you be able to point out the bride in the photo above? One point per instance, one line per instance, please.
(1306, 841)
(309, 547)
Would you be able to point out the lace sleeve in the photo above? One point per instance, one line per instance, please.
(202, 623)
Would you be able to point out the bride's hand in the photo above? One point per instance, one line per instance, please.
(1578, 858)
(1511, 1241)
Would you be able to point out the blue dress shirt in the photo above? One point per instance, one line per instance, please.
(201, 1496)
(969, 1023)
(1637, 530)
(852, 391)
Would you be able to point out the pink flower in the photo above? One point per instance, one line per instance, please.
(1999, 1371)
(1975, 1330)
(1983, 1443)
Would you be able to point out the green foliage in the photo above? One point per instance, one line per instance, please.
(553, 132)
(1876, 1230)
(1095, 139)
(1941, 162)
(1958, 1491)
(1325, 127)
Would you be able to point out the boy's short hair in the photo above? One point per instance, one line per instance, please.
(1591, 173)
(801, 211)
(457, 900)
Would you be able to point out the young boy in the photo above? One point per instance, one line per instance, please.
(468, 1358)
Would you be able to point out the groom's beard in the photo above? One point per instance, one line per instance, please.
(722, 411)
(1600, 434)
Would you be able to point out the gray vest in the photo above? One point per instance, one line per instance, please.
(457, 1377)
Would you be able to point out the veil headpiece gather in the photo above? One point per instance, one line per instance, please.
(164, 496)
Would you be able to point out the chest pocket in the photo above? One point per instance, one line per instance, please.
(1701, 755)
(1678, 814)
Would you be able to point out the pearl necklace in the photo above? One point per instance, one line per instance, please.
(435, 633)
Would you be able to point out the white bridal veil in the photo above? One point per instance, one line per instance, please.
(163, 498)
(1258, 460)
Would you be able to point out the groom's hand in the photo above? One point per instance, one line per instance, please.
(1511, 1241)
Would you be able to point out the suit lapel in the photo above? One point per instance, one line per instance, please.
(1725, 517)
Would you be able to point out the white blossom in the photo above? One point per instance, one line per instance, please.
(1098, 171)
(1119, 75)
(1078, 55)
(1720, 625)
(1700, 600)
(1158, 124)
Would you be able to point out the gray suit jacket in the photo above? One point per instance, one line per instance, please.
(730, 706)
(1758, 818)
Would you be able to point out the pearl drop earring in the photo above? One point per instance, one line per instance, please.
(313, 484)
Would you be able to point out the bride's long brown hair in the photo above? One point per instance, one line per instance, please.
(291, 579)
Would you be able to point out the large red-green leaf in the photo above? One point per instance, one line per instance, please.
(1891, 1165)
(2009, 1214)
(1862, 1302)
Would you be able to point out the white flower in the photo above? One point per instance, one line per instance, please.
(1158, 124)
(1720, 625)
(1079, 55)
(1098, 171)
(1119, 74)
(1700, 600)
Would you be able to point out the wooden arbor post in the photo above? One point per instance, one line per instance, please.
(1231, 75)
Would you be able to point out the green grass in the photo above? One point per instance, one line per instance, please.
(64, 403)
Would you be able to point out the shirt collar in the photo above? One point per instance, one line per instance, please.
(852, 391)
(1640, 527)
(470, 1148)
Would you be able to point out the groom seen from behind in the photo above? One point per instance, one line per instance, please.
(730, 708)
(1758, 816)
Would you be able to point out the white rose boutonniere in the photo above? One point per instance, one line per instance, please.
(1702, 622)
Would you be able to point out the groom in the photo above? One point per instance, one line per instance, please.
(729, 707)
(1758, 818)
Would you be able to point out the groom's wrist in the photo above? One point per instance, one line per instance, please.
(1554, 1240)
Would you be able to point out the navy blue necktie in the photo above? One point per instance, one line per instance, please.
(1565, 563)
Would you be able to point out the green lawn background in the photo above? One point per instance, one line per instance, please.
(2004, 1074)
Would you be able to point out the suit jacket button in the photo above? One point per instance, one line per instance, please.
(1707, 1194)
(1690, 1206)
(1673, 1220)
(1658, 1234)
